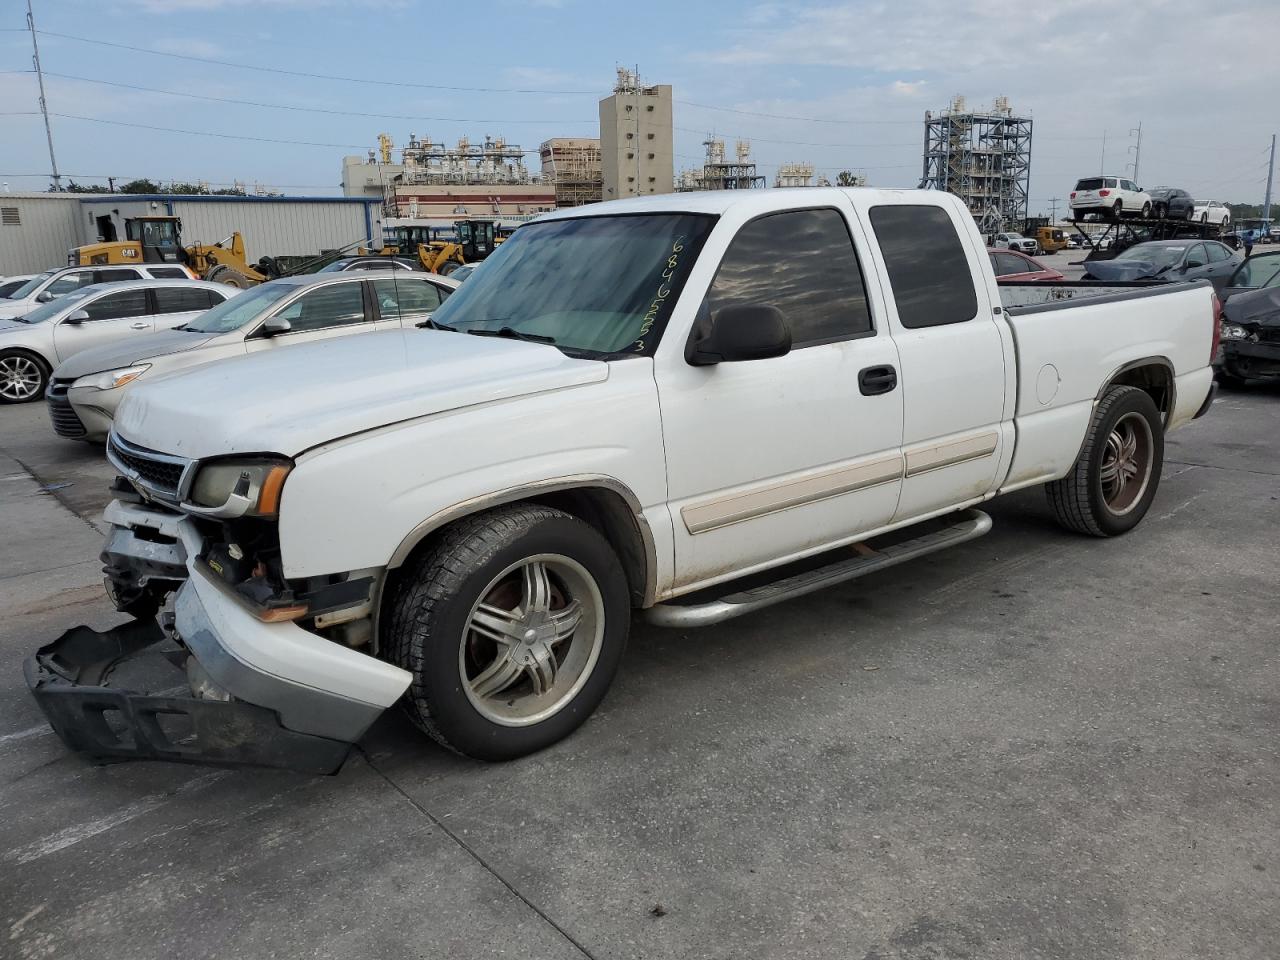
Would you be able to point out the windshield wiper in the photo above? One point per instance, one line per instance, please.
(430, 324)
(511, 333)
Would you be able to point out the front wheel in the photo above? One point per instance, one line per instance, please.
(23, 376)
(513, 624)
(1114, 480)
(1146, 211)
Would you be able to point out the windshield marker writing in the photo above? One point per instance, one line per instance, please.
(664, 291)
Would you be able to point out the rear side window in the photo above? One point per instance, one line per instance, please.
(408, 299)
(930, 276)
(113, 276)
(168, 273)
(1006, 264)
(803, 263)
(183, 300)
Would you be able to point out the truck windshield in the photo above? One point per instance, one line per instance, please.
(234, 313)
(603, 285)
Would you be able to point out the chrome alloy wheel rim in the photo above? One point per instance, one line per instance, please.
(19, 378)
(532, 640)
(1126, 463)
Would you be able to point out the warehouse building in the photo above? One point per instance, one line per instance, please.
(37, 229)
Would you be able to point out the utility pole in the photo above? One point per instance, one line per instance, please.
(1053, 209)
(1102, 164)
(44, 107)
(1271, 169)
(1137, 151)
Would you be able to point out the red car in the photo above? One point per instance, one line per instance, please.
(1010, 265)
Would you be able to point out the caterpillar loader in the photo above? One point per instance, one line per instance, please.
(475, 241)
(159, 240)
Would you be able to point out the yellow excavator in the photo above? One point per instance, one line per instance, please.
(159, 240)
(475, 241)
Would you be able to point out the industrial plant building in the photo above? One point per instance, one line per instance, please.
(983, 157)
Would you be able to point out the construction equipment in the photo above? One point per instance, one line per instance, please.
(159, 240)
(475, 240)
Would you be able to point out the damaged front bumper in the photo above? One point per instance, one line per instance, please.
(265, 694)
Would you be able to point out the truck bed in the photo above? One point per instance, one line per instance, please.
(1070, 337)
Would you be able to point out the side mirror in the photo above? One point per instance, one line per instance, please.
(1192, 264)
(44, 297)
(78, 317)
(273, 326)
(749, 331)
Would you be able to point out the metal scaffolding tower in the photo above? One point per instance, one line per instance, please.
(984, 158)
(719, 173)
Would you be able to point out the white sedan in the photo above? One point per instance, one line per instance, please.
(1212, 211)
(93, 316)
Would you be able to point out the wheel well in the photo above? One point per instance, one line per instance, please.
(605, 510)
(26, 352)
(1154, 378)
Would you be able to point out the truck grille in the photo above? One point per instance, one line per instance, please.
(65, 421)
(158, 473)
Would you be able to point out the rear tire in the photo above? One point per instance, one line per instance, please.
(513, 624)
(24, 376)
(231, 278)
(448, 267)
(1117, 212)
(1112, 483)
(1146, 211)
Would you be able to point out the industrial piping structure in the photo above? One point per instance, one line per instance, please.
(982, 157)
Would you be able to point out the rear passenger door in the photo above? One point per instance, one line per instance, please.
(955, 378)
(174, 306)
(782, 457)
(112, 317)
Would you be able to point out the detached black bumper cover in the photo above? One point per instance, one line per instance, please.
(67, 679)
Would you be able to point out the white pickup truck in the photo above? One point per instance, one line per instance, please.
(632, 405)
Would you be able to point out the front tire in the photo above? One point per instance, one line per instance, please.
(1146, 211)
(23, 376)
(513, 625)
(1115, 478)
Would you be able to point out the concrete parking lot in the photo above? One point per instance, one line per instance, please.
(1035, 745)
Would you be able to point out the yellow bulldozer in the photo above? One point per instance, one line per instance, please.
(475, 240)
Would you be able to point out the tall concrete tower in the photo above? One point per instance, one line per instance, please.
(637, 148)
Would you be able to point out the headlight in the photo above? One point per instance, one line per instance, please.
(1231, 331)
(239, 488)
(113, 378)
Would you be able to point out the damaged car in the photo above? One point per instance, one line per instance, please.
(1251, 334)
(1167, 260)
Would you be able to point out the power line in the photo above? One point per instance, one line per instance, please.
(291, 107)
(306, 75)
(194, 133)
(779, 116)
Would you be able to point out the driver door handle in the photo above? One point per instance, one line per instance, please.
(877, 380)
(139, 326)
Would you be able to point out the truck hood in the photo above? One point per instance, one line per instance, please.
(1259, 308)
(290, 400)
(1121, 269)
(132, 351)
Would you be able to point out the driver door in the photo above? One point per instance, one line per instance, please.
(112, 317)
(331, 310)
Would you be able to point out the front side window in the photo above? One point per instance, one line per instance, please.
(115, 306)
(817, 284)
(234, 312)
(1196, 255)
(184, 299)
(71, 281)
(337, 305)
(928, 271)
(408, 299)
(602, 285)
(28, 288)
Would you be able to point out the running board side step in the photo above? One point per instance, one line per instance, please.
(968, 525)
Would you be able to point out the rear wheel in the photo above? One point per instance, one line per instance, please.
(1114, 480)
(448, 267)
(513, 625)
(1118, 210)
(23, 376)
(1146, 211)
(1204, 218)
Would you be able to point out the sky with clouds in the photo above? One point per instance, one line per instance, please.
(843, 85)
